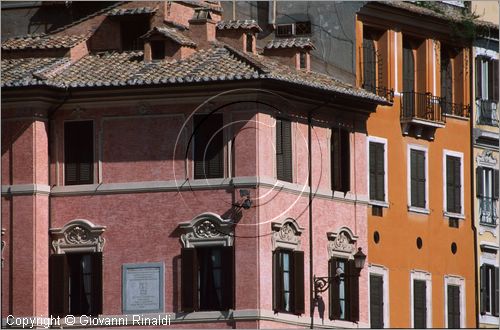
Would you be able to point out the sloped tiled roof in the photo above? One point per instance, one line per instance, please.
(290, 43)
(131, 11)
(246, 24)
(220, 63)
(172, 34)
(47, 41)
(212, 5)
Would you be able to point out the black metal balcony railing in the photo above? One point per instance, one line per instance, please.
(488, 211)
(384, 92)
(486, 112)
(421, 106)
(456, 109)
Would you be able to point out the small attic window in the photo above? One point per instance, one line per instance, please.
(302, 28)
(293, 29)
(249, 47)
(157, 49)
(284, 30)
(302, 60)
(131, 30)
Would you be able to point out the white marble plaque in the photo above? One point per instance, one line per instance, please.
(142, 286)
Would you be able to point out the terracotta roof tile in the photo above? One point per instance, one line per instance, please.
(172, 34)
(220, 63)
(43, 42)
(290, 43)
(239, 24)
(131, 11)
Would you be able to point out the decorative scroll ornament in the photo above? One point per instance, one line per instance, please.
(78, 235)
(207, 228)
(486, 158)
(341, 243)
(286, 234)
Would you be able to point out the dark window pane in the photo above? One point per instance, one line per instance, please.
(453, 307)
(377, 171)
(419, 304)
(283, 150)
(376, 302)
(208, 146)
(453, 184)
(417, 166)
(78, 152)
(157, 50)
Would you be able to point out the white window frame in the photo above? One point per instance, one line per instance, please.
(384, 272)
(460, 282)
(383, 141)
(423, 276)
(411, 208)
(462, 201)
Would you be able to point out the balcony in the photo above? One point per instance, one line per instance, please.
(421, 114)
(488, 211)
(455, 109)
(384, 92)
(486, 112)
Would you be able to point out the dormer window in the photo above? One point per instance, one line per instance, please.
(302, 60)
(157, 49)
(249, 46)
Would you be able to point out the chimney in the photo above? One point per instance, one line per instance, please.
(240, 34)
(293, 52)
(202, 27)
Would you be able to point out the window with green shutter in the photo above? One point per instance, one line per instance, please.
(453, 308)
(208, 146)
(453, 184)
(288, 281)
(377, 171)
(344, 290)
(340, 160)
(489, 287)
(419, 304)
(376, 302)
(283, 150)
(417, 178)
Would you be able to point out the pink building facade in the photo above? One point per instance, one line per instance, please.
(175, 182)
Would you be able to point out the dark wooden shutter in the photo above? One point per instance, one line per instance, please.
(78, 152)
(453, 185)
(479, 181)
(353, 291)
(208, 146)
(369, 65)
(408, 69)
(277, 282)
(228, 277)
(446, 78)
(495, 297)
(496, 179)
(59, 285)
(479, 78)
(417, 169)
(453, 306)
(340, 160)
(419, 304)
(376, 302)
(377, 174)
(483, 289)
(283, 150)
(96, 283)
(189, 280)
(334, 299)
(494, 74)
(345, 160)
(298, 282)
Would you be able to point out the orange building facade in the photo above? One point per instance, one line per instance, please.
(420, 230)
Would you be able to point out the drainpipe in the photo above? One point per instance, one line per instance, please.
(472, 174)
(311, 269)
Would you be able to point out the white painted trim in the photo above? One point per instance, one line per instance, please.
(386, 187)
(384, 272)
(423, 276)
(479, 51)
(460, 155)
(396, 47)
(25, 189)
(460, 282)
(410, 147)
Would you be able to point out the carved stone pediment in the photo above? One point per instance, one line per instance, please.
(486, 158)
(286, 234)
(207, 229)
(78, 235)
(342, 243)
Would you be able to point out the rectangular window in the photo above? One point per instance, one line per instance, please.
(78, 152)
(131, 30)
(446, 80)
(487, 78)
(249, 47)
(369, 63)
(487, 187)
(284, 30)
(453, 308)
(75, 284)
(489, 289)
(288, 281)
(377, 171)
(344, 291)
(302, 60)
(453, 184)
(376, 301)
(208, 146)
(417, 178)
(340, 160)
(157, 50)
(283, 150)
(302, 28)
(207, 277)
(419, 304)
